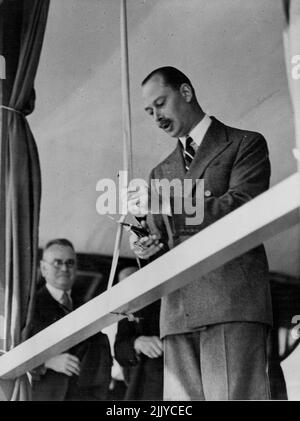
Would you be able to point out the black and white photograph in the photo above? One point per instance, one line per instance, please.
(149, 202)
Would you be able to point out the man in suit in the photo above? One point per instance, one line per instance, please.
(214, 329)
(83, 372)
(139, 350)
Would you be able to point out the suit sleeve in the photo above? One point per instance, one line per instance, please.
(124, 344)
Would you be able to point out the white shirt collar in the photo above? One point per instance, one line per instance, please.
(198, 132)
(57, 293)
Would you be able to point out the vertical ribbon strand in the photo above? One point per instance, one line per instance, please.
(127, 137)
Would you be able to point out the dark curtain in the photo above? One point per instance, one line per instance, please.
(22, 28)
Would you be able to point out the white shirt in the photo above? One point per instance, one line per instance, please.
(198, 132)
(57, 293)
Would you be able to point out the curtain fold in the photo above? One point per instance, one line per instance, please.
(21, 178)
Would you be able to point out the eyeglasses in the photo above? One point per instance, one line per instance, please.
(58, 263)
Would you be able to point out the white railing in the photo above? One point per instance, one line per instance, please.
(270, 213)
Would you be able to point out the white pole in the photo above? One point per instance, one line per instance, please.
(127, 138)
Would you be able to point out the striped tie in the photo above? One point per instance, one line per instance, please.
(188, 152)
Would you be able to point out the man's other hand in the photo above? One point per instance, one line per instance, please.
(145, 247)
(151, 346)
(64, 363)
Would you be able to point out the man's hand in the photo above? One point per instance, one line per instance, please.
(151, 346)
(145, 247)
(64, 363)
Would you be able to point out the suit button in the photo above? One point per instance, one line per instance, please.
(207, 193)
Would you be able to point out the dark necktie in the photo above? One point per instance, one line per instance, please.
(66, 302)
(188, 152)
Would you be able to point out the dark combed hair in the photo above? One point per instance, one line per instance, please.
(60, 242)
(172, 77)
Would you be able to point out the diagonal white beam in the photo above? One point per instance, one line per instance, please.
(268, 214)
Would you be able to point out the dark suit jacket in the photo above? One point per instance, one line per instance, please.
(93, 353)
(235, 167)
(143, 375)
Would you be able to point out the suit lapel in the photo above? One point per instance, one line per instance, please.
(213, 143)
(53, 305)
(48, 299)
(174, 166)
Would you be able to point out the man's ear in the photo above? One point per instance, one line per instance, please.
(186, 92)
(42, 267)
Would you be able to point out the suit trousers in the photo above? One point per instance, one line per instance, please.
(225, 361)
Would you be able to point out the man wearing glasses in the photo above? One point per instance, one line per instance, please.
(80, 373)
